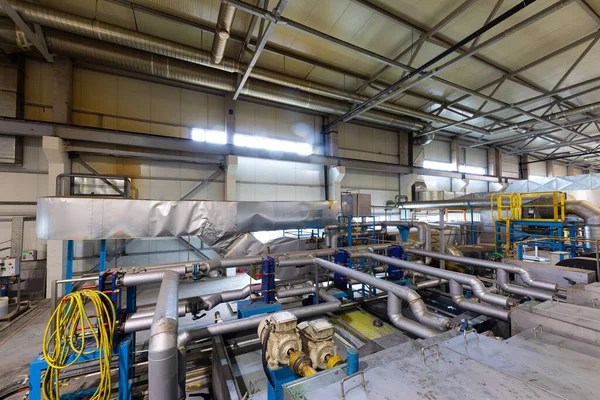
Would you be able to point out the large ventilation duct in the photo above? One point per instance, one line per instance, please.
(118, 35)
(424, 140)
(222, 31)
(222, 225)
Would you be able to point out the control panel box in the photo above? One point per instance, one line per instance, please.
(9, 267)
(29, 255)
(356, 205)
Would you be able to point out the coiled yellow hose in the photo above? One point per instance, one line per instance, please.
(67, 320)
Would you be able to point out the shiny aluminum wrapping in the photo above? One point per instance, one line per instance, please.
(222, 225)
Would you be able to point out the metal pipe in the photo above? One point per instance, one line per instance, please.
(431, 283)
(590, 215)
(182, 310)
(503, 283)
(456, 292)
(394, 307)
(222, 31)
(162, 348)
(415, 302)
(479, 289)
(513, 269)
(293, 292)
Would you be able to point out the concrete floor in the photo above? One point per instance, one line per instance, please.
(22, 341)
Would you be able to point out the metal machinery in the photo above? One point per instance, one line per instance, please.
(419, 330)
(534, 219)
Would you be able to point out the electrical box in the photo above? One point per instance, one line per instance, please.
(29, 255)
(9, 267)
(356, 205)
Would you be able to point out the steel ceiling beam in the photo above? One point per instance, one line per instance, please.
(589, 9)
(260, 45)
(36, 38)
(417, 45)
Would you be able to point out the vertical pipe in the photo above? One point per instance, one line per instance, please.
(162, 348)
(442, 244)
(69, 271)
(472, 228)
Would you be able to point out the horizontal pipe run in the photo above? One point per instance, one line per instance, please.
(415, 302)
(504, 284)
(479, 289)
(456, 292)
(428, 284)
(331, 305)
(513, 269)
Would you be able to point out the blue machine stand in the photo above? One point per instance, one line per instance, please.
(279, 377)
(249, 308)
(124, 349)
(394, 272)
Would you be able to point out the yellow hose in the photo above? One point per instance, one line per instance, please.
(68, 319)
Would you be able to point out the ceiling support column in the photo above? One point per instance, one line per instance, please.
(56, 252)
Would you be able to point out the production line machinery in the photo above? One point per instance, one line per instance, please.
(291, 349)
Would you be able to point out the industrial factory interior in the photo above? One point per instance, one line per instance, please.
(299, 199)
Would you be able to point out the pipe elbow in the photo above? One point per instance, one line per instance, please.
(183, 339)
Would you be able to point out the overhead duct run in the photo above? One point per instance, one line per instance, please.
(222, 31)
(424, 140)
(118, 35)
(222, 225)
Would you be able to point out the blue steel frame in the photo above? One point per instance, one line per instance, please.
(125, 352)
(551, 230)
(279, 376)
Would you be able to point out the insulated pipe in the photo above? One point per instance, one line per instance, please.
(479, 289)
(222, 31)
(404, 324)
(293, 292)
(146, 278)
(590, 215)
(456, 292)
(415, 302)
(513, 269)
(182, 310)
(428, 284)
(162, 348)
(503, 283)
(210, 301)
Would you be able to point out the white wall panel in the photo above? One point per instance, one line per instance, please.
(476, 157)
(256, 119)
(477, 186)
(510, 166)
(560, 170)
(382, 186)
(537, 169)
(438, 183)
(438, 151)
(365, 143)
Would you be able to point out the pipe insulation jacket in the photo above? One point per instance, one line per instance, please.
(456, 292)
(523, 272)
(478, 288)
(162, 347)
(415, 302)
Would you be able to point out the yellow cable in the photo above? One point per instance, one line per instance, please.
(69, 318)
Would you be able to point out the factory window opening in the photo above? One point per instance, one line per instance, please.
(266, 143)
(209, 136)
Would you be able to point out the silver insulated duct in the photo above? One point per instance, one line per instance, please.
(222, 31)
(222, 225)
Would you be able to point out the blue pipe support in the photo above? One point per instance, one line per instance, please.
(69, 266)
(268, 280)
(352, 362)
(341, 257)
(102, 265)
(395, 272)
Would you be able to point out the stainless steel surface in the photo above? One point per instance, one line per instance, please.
(504, 284)
(553, 273)
(571, 321)
(356, 204)
(522, 367)
(162, 348)
(458, 297)
(590, 215)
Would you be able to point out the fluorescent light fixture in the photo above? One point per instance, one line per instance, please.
(265, 143)
(208, 136)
